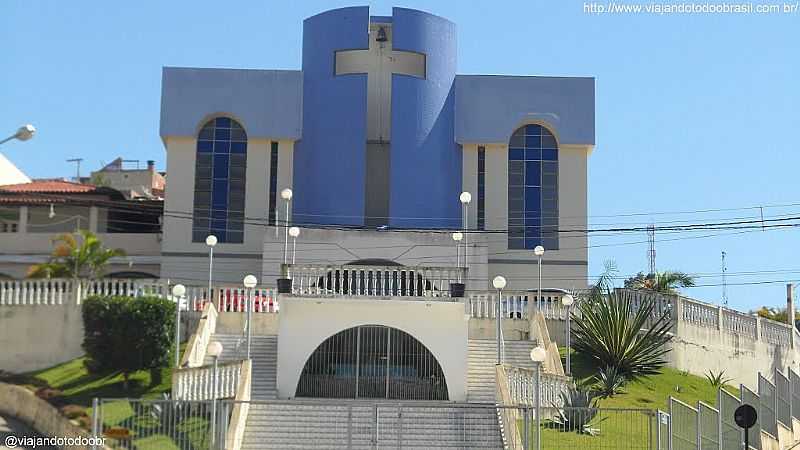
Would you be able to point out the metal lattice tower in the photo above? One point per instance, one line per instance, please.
(651, 252)
(724, 281)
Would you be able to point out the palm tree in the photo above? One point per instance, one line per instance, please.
(73, 259)
(662, 282)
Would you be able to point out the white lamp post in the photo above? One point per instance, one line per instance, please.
(286, 194)
(539, 252)
(178, 291)
(567, 300)
(499, 283)
(211, 241)
(465, 198)
(294, 232)
(457, 237)
(23, 133)
(538, 355)
(250, 282)
(214, 350)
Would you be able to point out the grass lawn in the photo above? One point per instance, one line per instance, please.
(629, 427)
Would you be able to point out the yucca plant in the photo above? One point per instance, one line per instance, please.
(577, 413)
(609, 382)
(610, 332)
(717, 380)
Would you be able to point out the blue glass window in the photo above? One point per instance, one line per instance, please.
(482, 187)
(219, 181)
(532, 188)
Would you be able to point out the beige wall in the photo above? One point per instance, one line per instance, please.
(567, 266)
(306, 322)
(187, 261)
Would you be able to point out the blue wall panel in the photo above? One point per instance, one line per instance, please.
(265, 102)
(425, 160)
(329, 160)
(491, 107)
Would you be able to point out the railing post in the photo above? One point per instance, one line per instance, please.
(95, 422)
(758, 328)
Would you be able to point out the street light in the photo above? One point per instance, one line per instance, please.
(286, 194)
(465, 198)
(499, 283)
(538, 355)
(250, 282)
(457, 237)
(294, 232)
(23, 133)
(211, 241)
(567, 300)
(539, 252)
(214, 350)
(178, 291)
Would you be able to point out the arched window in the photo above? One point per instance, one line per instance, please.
(532, 189)
(219, 181)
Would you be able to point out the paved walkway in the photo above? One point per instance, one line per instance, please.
(13, 427)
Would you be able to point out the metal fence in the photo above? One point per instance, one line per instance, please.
(768, 401)
(685, 430)
(136, 424)
(783, 399)
(731, 435)
(753, 399)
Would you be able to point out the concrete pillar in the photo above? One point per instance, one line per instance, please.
(22, 225)
(93, 213)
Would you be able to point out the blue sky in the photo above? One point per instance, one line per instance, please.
(694, 112)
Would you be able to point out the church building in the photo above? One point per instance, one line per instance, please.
(376, 136)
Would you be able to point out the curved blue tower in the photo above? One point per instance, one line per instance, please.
(378, 145)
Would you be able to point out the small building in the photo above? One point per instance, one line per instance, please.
(31, 214)
(132, 182)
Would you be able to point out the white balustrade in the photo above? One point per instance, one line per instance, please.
(775, 332)
(701, 314)
(376, 281)
(36, 292)
(739, 323)
(522, 387)
(516, 305)
(197, 383)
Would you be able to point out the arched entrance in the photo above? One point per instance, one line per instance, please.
(372, 361)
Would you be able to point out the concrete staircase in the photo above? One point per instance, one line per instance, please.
(343, 424)
(481, 370)
(264, 352)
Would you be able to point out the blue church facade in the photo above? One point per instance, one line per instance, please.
(377, 130)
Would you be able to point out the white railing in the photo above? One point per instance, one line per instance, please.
(197, 383)
(37, 292)
(376, 281)
(776, 333)
(739, 323)
(195, 353)
(522, 387)
(699, 313)
(516, 305)
(68, 291)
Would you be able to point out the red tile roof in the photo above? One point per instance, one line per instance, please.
(49, 186)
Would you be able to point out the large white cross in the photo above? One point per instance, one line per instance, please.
(379, 62)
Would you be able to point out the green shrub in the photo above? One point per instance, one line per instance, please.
(126, 334)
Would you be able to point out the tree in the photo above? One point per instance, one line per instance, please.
(73, 259)
(615, 335)
(126, 334)
(776, 314)
(662, 282)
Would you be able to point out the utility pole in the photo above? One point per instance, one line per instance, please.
(651, 252)
(724, 281)
(78, 171)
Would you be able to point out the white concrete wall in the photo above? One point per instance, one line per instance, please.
(306, 322)
(35, 337)
(187, 261)
(567, 267)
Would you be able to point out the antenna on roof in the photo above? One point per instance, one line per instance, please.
(78, 170)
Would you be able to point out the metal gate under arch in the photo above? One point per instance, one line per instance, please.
(372, 361)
